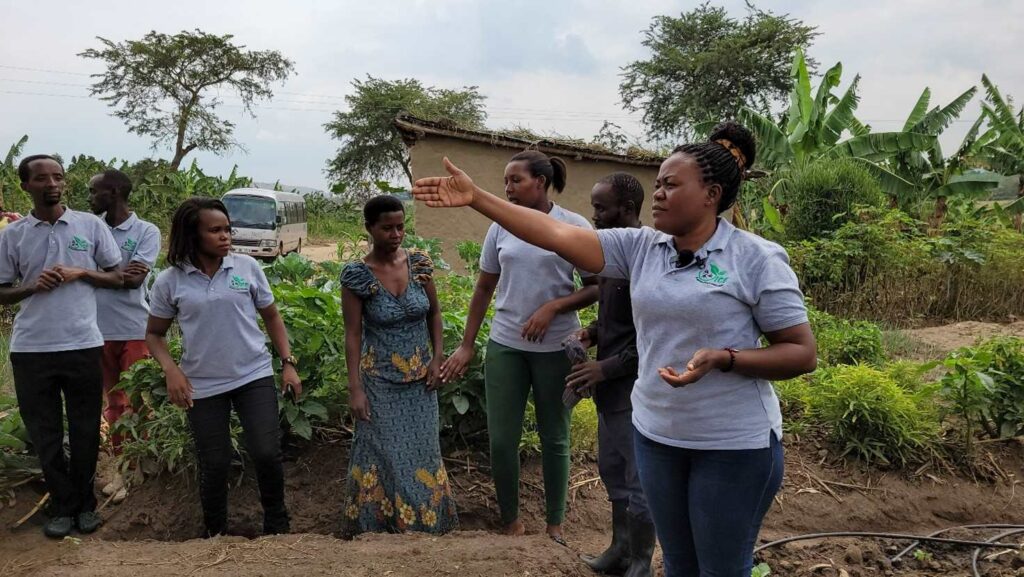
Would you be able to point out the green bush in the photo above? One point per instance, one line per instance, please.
(883, 267)
(844, 342)
(869, 415)
(984, 386)
(820, 197)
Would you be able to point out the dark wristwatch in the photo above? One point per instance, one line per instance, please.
(290, 360)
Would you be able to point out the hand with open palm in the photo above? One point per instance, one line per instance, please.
(445, 191)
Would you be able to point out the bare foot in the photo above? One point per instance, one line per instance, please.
(555, 532)
(515, 529)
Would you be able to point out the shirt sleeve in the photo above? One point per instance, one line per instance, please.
(489, 253)
(107, 253)
(161, 305)
(149, 247)
(625, 363)
(778, 302)
(9, 271)
(619, 246)
(261, 293)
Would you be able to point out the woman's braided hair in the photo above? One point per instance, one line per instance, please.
(724, 159)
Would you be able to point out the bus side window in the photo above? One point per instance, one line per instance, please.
(282, 214)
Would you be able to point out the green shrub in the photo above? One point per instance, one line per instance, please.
(870, 416)
(819, 197)
(795, 397)
(984, 386)
(844, 342)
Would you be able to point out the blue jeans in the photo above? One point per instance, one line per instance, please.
(707, 506)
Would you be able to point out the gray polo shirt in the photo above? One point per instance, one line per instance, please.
(63, 319)
(738, 287)
(224, 347)
(121, 314)
(529, 277)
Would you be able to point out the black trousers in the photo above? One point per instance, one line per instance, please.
(42, 382)
(210, 421)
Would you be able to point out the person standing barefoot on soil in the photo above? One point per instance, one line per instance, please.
(616, 199)
(121, 314)
(394, 345)
(535, 311)
(215, 296)
(708, 438)
(53, 254)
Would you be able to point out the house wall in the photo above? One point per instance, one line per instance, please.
(486, 165)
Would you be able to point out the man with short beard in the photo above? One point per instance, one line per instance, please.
(51, 262)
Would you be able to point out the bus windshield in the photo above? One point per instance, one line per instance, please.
(252, 212)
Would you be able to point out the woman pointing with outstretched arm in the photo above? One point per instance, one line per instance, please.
(708, 435)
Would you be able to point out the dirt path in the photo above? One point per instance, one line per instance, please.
(947, 338)
(321, 252)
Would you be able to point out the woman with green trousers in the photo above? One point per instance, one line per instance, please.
(534, 312)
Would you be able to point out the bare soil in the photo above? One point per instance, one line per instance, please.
(947, 338)
(321, 252)
(154, 530)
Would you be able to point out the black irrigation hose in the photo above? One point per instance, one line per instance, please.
(977, 552)
(898, 536)
(899, 555)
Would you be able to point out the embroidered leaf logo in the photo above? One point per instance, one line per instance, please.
(79, 243)
(129, 245)
(713, 275)
(238, 283)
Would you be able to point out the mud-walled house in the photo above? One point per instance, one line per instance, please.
(483, 155)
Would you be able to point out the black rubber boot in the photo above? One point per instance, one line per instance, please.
(641, 547)
(615, 559)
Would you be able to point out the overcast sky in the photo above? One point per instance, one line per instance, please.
(549, 65)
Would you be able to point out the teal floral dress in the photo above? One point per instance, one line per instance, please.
(396, 478)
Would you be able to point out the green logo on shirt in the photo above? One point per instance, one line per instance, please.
(238, 283)
(129, 245)
(712, 275)
(79, 243)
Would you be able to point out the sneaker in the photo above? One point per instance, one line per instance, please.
(89, 521)
(58, 527)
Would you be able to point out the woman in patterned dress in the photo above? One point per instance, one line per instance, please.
(393, 344)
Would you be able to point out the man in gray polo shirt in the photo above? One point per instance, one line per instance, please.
(122, 314)
(54, 255)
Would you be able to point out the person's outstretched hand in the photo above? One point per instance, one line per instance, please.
(445, 191)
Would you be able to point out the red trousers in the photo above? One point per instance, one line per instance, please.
(118, 357)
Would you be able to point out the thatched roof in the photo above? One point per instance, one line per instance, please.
(414, 129)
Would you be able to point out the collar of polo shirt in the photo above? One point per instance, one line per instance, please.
(32, 220)
(227, 263)
(127, 224)
(717, 242)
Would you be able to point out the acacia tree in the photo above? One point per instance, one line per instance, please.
(372, 148)
(704, 66)
(162, 86)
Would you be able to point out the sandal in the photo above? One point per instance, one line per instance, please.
(558, 539)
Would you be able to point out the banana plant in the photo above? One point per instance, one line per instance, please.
(1001, 147)
(815, 126)
(941, 178)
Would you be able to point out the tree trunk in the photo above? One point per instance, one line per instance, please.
(939, 216)
(1018, 220)
(179, 154)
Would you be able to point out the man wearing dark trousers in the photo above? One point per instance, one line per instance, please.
(616, 200)
(51, 262)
